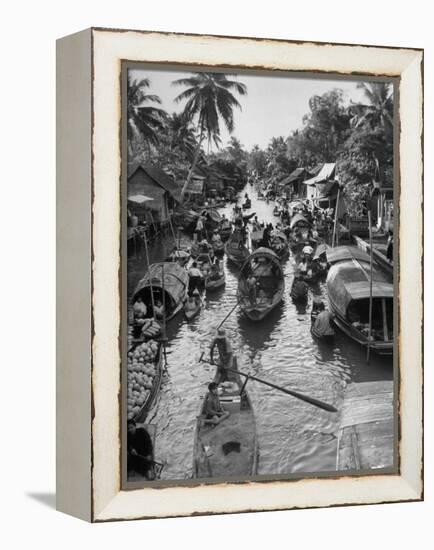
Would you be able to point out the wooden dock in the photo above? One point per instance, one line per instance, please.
(366, 432)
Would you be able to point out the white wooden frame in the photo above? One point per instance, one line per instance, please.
(89, 360)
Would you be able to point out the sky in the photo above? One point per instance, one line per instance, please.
(274, 105)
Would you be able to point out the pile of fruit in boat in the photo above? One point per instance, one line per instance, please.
(141, 374)
(150, 328)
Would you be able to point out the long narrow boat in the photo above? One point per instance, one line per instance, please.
(230, 448)
(174, 282)
(265, 267)
(348, 288)
(215, 282)
(144, 379)
(235, 248)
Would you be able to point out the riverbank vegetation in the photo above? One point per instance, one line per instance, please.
(358, 137)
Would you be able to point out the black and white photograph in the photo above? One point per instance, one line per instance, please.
(258, 258)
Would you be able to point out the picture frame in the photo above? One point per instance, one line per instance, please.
(89, 274)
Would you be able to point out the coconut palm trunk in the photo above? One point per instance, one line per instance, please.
(193, 165)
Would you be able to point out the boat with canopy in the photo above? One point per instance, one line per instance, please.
(261, 284)
(166, 282)
(348, 288)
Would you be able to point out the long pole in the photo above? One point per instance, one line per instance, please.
(336, 218)
(150, 276)
(370, 288)
(164, 337)
(233, 309)
(301, 396)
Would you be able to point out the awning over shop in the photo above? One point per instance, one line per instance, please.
(326, 173)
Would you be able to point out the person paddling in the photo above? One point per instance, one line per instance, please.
(224, 347)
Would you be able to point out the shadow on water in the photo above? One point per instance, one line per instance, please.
(257, 334)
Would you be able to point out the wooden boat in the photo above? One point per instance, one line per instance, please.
(152, 393)
(279, 245)
(265, 266)
(173, 286)
(230, 448)
(212, 218)
(190, 314)
(236, 250)
(348, 288)
(299, 290)
(157, 466)
(366, 436)
(299, 222)
(378, 255)
(214, 284)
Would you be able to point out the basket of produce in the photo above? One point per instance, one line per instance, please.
(144, 367)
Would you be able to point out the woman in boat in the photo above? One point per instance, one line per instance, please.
(140, 311)
(302, 267)
(196, 278)
(322, 327)
(251, 283)
(214, 412)
(299, 289)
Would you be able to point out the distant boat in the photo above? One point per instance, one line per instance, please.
(348, 288)
(229, 448)
(265, 266)
(191, 313)
(215, 282)
(175, 284)
(279, 244)
(235, 248)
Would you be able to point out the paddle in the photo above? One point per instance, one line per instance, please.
(231, 311)
(301, 396)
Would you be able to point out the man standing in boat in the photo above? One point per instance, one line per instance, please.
(225, 353)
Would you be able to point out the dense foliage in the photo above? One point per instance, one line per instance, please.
(358, 136)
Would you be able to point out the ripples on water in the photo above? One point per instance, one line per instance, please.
(293, 436)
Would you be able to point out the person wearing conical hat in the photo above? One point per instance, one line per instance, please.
(224, 347)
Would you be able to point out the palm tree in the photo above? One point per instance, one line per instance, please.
(145, 121)
(182, 134)
(379, 111)
(208, 98)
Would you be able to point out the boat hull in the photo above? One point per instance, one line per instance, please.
(230, 448)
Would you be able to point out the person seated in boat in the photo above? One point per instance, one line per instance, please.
(316, 305)
(261, 297)
(299, 287)
(196, 296)
(307, 250)
(139, 451)
(322, 325)
(302, 267)
(140, 311)
(158, 310)
(195, 277)
(251, 284)
(190, 304)
(224, 347)
(215, 271)
(214, 412)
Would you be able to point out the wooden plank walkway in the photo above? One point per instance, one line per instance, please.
(366, 432)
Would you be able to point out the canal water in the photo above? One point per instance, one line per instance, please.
(294, 437)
